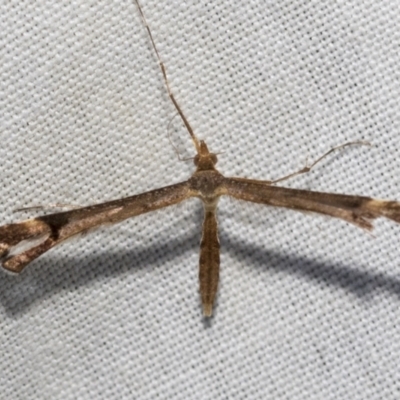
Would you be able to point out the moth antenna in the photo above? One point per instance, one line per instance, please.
(166, 82)
(172, 143)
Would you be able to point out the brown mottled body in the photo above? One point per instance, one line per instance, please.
(209, 261)
(206, 183)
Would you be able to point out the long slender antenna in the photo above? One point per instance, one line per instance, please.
(164, 72)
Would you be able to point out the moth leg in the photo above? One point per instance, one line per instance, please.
(308, 168)
(45, 207)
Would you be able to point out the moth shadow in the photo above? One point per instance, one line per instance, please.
(18, 293)
(361, 283)
(43, 280)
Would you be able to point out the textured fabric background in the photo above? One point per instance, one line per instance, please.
(308, 307)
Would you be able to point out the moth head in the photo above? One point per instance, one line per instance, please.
(204, 160)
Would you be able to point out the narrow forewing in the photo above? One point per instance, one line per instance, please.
(358, 210)
(54, 228)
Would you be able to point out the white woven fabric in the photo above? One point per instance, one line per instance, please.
(308, 307)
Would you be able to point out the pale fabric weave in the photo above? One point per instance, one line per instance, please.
(308, 307)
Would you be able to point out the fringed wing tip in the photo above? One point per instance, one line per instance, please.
(15, 264)
(13, 235)
(392, 210)
(369, 210)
